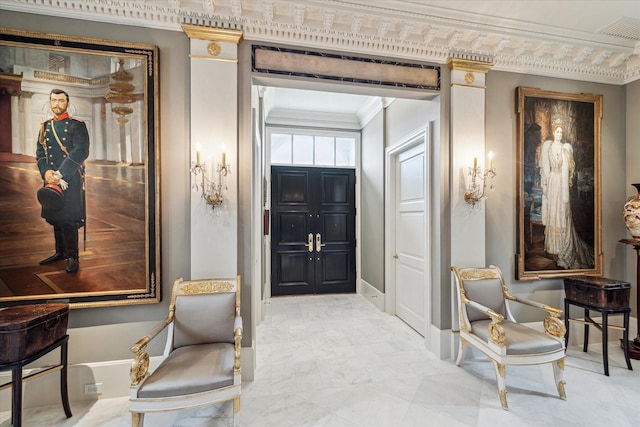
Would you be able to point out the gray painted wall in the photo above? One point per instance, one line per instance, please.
(372, 202)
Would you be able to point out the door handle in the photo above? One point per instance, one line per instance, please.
(319, 243)
(310, 242)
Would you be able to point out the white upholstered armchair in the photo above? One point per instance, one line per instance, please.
(201, 363)
(487, 324)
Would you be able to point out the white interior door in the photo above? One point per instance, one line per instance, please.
(410, 238)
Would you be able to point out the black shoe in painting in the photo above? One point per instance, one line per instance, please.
(55, 257)
(72, 265)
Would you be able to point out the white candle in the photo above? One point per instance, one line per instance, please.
(475, 163)
(490, 160)
(197, 157)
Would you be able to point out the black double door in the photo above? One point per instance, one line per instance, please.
(313, 230)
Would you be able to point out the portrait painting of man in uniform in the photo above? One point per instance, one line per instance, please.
(558, 184)
(79, 151)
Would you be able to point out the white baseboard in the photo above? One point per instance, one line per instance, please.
(373, 295)
(113, 375)
(440, 342)
(45, 390)
(248, 356)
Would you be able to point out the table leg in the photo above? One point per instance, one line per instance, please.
(586, 331)
(605, 342)
(64, 391)
(16, 410)
(625, 339)
(636, 340)
(566, 325)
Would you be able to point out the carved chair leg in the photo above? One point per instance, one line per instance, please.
(137, 419)
(236, 411)
(462, 348)
(558, 373)
(501, 373)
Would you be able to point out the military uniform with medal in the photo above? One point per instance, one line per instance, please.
(62, 148)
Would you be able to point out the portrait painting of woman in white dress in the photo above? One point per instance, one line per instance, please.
(559, 227)
(557, 176)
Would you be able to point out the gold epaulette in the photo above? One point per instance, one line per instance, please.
(77, 120)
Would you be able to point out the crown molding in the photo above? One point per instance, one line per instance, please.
(388, 28)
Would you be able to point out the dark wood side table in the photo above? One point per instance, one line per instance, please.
(604, 327)
(17, 379)
(634, 346)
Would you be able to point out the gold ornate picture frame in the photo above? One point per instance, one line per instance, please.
(113, 89)
(559, 187)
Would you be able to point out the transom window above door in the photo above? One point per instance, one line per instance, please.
(315, 148)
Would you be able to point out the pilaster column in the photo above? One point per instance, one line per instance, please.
(467, 121)
(111, 145)
(138, 138)
(97, 142)
(214, 135)
(27, 135)
(16, 140)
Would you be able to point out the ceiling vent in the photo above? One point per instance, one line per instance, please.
(626, 28)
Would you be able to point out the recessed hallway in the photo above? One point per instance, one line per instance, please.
(337, 361)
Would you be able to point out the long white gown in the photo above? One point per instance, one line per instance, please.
(560, 237)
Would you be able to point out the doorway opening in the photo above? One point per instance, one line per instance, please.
(312, 107)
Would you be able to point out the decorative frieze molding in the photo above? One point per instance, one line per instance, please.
(416, 33)
(311, 64)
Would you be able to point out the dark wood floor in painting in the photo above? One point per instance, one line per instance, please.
(113, 258)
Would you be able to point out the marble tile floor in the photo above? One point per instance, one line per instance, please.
(337, 361)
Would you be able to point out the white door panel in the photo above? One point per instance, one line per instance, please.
(410, 283)
(410, 229)
(410, 298)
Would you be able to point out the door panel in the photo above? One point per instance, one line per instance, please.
(335, 189)
(293, 269)
(320, 201)
(335, 267)
(410, 238)
(293, 226)
(291, 264)
(335, 228)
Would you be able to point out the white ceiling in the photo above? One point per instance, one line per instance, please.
(320, 101)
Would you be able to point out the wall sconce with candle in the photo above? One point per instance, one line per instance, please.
(477, 185)
(212, 191)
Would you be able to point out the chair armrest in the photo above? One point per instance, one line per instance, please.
(552, 324)
(237, 324)
(237, 338)
(496, 317)
(551, 310)
(140, 365)
(142, 342)
(496, 331)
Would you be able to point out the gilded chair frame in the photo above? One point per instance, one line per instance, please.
(139, 372)
(495, 346)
